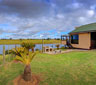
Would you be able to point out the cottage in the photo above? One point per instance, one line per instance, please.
(83, 37)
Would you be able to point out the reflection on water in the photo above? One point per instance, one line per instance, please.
(37, 46)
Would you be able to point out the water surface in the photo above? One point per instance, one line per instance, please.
(37, 46)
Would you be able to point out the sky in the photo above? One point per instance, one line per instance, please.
(38, 19)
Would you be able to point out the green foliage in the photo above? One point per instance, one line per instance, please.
(17, 51)
(57, 46)
(48, 38)
(25, 58)
(62, 47)
(8, 52)
(28, 45)
(23, 55)
(37, 49)
(32, 45)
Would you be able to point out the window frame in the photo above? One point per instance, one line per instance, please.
(75, 41)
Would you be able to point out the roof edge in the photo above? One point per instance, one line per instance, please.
(82, 32)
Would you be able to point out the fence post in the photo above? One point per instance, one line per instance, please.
(8, 53)
(15, 49)
(3, 54)
(15, 46)
(8, 49)
(42, 45)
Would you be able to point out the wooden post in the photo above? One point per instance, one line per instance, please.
(8, 53)
(8, 49)
(61, 39)
(42, 45)
(15, 49)
(15, 46)
(3, 54)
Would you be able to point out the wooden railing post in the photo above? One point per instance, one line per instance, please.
(42, 45)
(8, 53)
(3, 54)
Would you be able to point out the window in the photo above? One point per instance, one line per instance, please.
(74, 39)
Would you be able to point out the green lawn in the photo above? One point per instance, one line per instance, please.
(75, 68)
(29, 41)
(8, 58)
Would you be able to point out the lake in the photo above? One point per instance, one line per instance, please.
(37, 46)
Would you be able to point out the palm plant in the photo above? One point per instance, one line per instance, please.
(25, 59)
(57, 46)
(28, 46)
(17, 51)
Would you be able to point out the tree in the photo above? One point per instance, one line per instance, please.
(10, 38)
(20, 39)
(57, 46)
(26, 59)
(48, 38)
(28, 46)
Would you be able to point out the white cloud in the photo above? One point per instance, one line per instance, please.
(90, 13)
(60, 16)
(81, 19)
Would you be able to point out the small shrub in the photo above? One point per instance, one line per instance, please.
(37, 49)
(7, 52)
(62, 47)
(57, 46)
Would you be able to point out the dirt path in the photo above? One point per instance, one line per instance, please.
(19, 80)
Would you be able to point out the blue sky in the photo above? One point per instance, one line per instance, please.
(44, 18)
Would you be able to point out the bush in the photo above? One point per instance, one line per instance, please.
(57, 46)
(62, 47)
(7, 52)
(37, 49)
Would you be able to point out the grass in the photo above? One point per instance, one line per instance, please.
(74, 68)
(8, 58)
(29, 41)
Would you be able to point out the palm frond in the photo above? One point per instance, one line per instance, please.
(32, 56)
(24, 56)
(18, 58)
